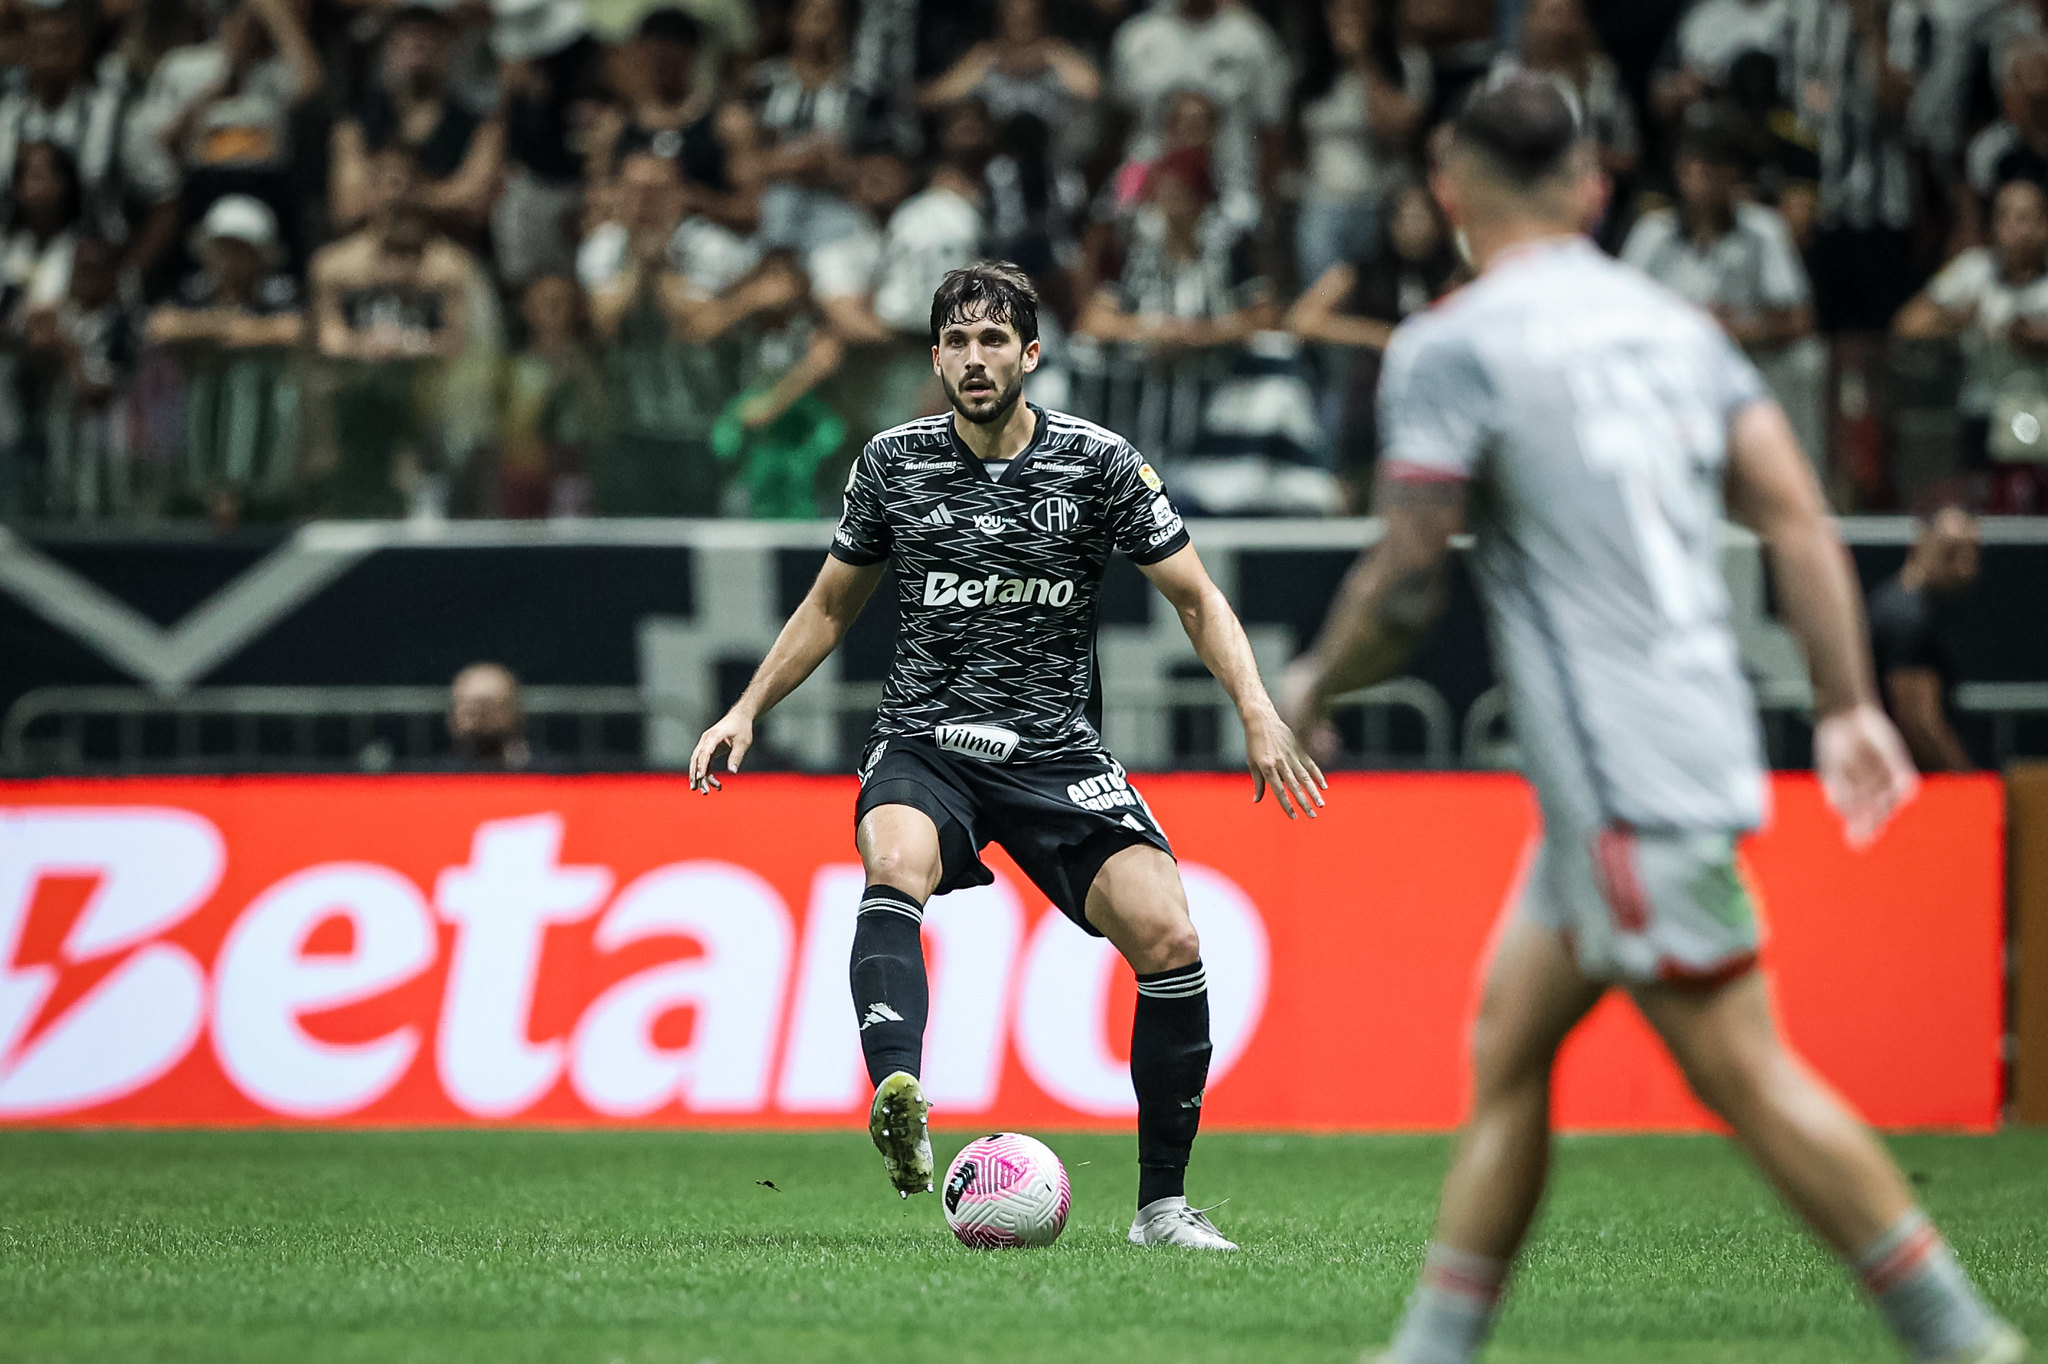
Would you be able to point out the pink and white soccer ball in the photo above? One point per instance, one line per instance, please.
(1006, 1190)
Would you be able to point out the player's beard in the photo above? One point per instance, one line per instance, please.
(1005, 399)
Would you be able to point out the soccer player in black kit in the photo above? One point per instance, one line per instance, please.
(1000, 518)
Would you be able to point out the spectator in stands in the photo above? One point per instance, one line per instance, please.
(1914, 669)
(1994, 299)
(1730, 256)
(1855, 65)
(1462, 38)
(1736, 258)
(217, 117)
(655, 285)
(1362, 97)
(1709, 40)
(1191, 121)
(550, 82)
(487, 719)
(1024, 71)
(232, 325)
(41, 227)
(460, 155)
(901, 47)
(551, 411)
(1188, 283)
(239, 298)
(1225, 52)
(37, 241)
(1785, 173)
(938, 229)
(80, 353)
(63, 97)
(626, 256)
(664, 108)
(778, 433)
(390, 308)
(1188, 288)
(2016, 146)
(807, 108)
(1355, 306)
(1558, 41)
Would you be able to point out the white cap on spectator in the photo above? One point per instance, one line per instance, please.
(238, 218)
(525, 29)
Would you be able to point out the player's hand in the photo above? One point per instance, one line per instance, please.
(734, 732)
(1864, 769)
(1276, 759)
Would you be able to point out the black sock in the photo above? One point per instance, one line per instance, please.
(1169, 1067)
(890, 995)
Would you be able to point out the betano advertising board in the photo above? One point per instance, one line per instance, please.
(618, 950)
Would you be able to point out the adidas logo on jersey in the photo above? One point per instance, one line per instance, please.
(950, 589)
(937, 516)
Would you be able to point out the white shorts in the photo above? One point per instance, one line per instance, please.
(1641, 908)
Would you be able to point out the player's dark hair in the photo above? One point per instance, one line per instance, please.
(1521, 125)
(994, 290)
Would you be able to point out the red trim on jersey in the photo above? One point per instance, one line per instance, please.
(1614, 856)
(1403, 472)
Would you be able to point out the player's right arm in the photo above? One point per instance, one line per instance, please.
(823, 619)
(860, 547)
(1861, 760)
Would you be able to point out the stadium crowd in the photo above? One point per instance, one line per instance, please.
(266, 259)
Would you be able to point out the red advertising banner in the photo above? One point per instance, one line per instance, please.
(611, 950)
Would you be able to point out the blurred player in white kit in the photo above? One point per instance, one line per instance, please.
(1590, 428)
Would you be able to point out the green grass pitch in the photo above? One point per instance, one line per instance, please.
(648, 1248)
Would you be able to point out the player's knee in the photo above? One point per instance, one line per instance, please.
(915, 871)
(1164, 943)
(1177, 945)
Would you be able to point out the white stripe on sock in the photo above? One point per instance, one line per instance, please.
(1178, 988)
(894, 907)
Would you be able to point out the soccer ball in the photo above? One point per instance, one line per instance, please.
(1006, 1190)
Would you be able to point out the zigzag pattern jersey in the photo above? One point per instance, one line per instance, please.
(997, 578)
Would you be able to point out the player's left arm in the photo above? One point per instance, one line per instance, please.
(1388, 600)
(1271, 751)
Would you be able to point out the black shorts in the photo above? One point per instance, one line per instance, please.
(1060, 818)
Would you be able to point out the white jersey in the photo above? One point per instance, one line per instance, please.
(1589, 408)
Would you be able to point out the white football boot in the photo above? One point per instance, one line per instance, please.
(896, 1120)
(1171, 1222)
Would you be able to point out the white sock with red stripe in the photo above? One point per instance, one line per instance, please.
(1451, 1312)
(1919, 1285)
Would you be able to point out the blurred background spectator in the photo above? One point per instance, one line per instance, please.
(1914, 669)
(1994, 300)
(627, 257)
(1362, 99)
(487, 720)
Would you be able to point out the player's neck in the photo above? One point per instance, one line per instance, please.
(1495, 243)
(999, 441)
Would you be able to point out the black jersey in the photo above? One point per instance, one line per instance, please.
(996, 579)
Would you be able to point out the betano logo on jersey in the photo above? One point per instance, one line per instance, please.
(950, 589)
